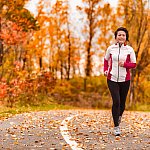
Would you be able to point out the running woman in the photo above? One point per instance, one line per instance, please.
(118, 61)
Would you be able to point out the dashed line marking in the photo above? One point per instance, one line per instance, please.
(66, 135)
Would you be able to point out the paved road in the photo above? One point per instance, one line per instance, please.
(74, 129)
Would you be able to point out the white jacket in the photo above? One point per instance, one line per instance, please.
(114, 54)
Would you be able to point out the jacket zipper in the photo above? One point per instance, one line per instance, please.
(118, 61)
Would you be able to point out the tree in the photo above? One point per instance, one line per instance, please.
(63, 43)
(107, 25)
(136, 20)
(94, 30)
(14, 11)
(1, 46)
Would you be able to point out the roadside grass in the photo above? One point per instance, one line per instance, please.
(6, 112)
(141, 107)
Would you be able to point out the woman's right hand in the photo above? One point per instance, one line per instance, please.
(106, 73)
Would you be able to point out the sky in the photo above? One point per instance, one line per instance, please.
(113, 3)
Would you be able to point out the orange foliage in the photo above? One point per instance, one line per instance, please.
(3, 88)
(12, 34)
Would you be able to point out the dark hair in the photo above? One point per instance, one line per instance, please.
(122, 29)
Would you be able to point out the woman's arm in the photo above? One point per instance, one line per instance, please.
(132, 63)
(129, 65)
(106, 58)
(105, 67)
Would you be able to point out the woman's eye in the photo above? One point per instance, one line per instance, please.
(121, 35)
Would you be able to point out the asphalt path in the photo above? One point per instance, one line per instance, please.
(74, 130)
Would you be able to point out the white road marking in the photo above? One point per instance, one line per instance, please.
(66, 135)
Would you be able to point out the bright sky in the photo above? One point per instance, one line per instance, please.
(112, 2)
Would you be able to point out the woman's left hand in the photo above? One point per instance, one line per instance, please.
(121, 64)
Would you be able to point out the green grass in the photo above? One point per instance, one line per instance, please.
(141, 107)
(6, 112)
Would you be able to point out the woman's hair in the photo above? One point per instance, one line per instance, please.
(122, 29)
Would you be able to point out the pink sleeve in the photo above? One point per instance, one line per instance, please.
(129, 65)
(105, 65)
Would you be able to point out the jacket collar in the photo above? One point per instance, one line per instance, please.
(123, 44)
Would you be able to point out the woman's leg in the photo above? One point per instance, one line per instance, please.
(114, 90)
(124, 88)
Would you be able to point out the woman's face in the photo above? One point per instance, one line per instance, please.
(121, 37)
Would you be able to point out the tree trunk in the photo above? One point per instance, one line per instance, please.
(40, 63)
(69, 54)
(1, 47)
(24, 63)
(91, 35)
(1, 52)
(61, 69)
(139, 41)
(88, 66)
(132, 89)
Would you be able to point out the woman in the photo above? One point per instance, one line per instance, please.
(118, 61)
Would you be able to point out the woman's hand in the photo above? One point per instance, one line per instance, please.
(121, 64)
(106, 73)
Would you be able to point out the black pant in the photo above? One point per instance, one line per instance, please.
(119, 91)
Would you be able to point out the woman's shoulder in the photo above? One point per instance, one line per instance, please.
(129, 47)
(112, 46)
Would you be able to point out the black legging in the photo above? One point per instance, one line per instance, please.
(119, 91)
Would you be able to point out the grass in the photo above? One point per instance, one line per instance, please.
(141, 107)
(6, 112)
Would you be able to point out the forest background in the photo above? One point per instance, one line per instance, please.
(55, 58)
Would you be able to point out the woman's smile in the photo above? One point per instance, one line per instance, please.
(121, 37)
